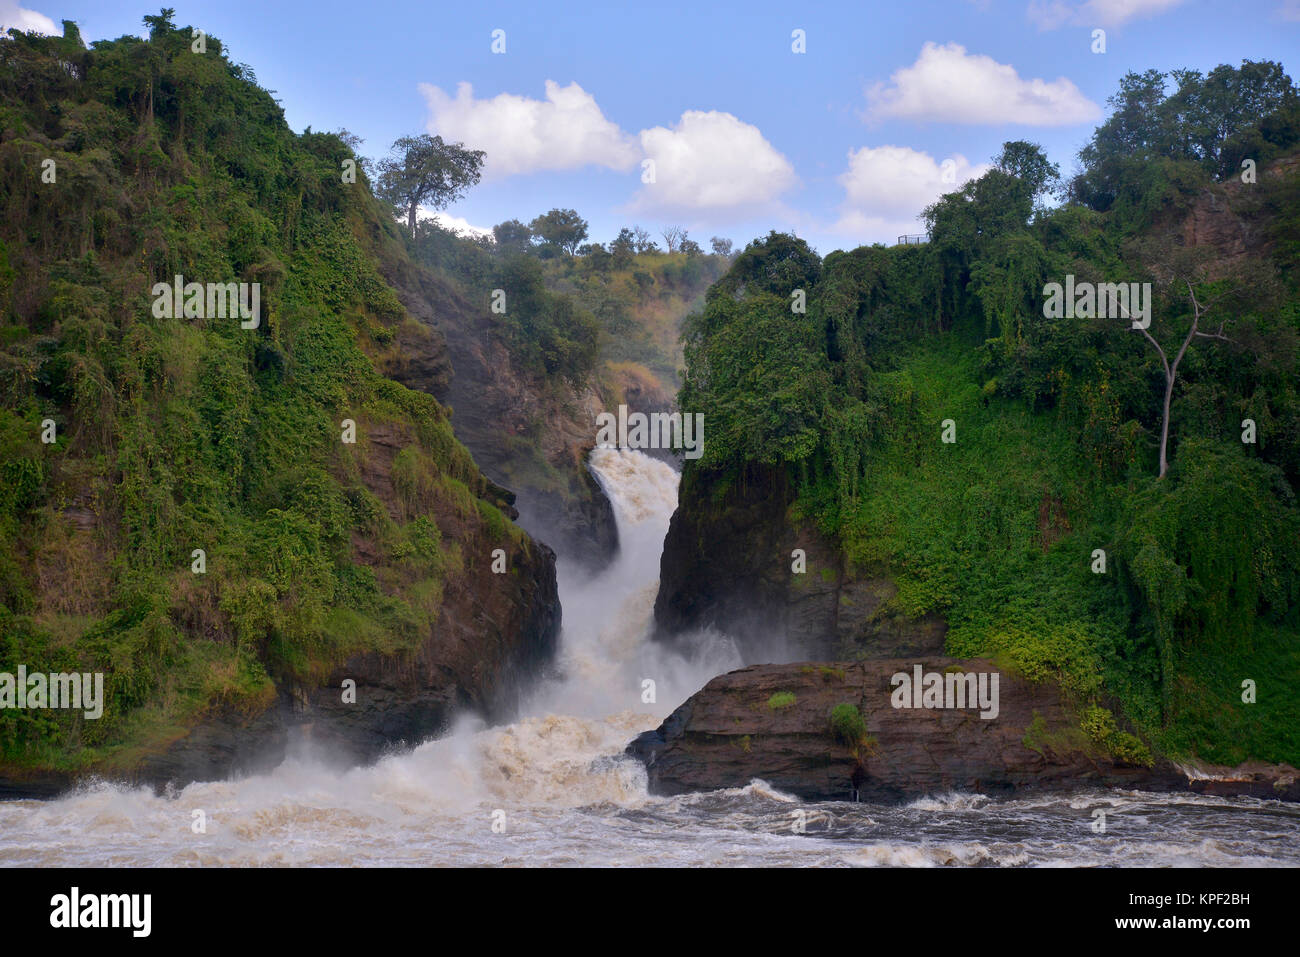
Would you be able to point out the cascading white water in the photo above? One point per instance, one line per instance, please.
(605, 654)
(554, 788)
(564, 753)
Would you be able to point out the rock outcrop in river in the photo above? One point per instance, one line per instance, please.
(773, 722)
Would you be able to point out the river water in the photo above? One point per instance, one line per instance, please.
(553, 789)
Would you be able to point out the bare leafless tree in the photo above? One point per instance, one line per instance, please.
(642, 240)
(1199, 310)
(673, 236)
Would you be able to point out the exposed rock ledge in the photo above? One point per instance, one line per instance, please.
(728, 733)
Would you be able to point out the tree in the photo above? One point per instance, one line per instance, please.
(162, 24)
(561, 227)
(1276, 133)
(1199, 311)
(762, 374)
(424, 171)
(1193, 123)
(160, 28)
(642, 239)
(691, 247)
(353, 143)
(350, 139)
(623, 248)
(673, 236)
(1204, 111)
(596, 257)
(1250, 289)
(964, 226)
(777, 264)
(1028, 163)
(720, 246)
(512, 236)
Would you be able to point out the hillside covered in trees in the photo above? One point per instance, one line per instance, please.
(216, 511)
(221, 514)
(1083, 498)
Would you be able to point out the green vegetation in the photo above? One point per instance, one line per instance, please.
(573, 308)
(1096, 733)
(1058, 421)
(1035, 734)
(175, 435)
(425, 171)
(780, 700)
(849, 728)
(1099, 725)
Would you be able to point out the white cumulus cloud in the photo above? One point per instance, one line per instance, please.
(565, 131)
(887, 187)
(29, 21)
(456, 224)
(948, 84)
(1050, 14)
(707, 161)
(712, 161)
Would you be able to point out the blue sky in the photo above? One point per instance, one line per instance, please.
(842, 144)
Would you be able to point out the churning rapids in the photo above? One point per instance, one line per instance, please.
(570, 798)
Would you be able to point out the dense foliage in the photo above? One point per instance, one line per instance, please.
(1056, 421)
(184, 434)
(568, 307)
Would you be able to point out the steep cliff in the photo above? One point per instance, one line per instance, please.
(735, 558)
(529, 433)
(247, 524)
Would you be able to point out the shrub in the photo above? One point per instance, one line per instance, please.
(1099, 725)
(847, 725)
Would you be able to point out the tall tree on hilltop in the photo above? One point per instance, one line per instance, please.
(1028, 163)
(623, 248)
(644, 243)
(424, 171)
(1194, 123)
(561, 227)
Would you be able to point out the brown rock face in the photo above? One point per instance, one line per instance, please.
(1228, 221)
(735, 730)
(727, 562)
(528, 435)
(1279, 782)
